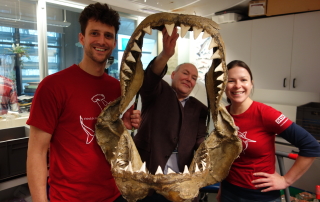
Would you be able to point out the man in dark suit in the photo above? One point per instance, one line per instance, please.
(173, 123)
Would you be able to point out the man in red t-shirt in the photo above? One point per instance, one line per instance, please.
(63, 117)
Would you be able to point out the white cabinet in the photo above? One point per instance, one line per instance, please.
(305, 68)
(271, 52)
(283, 52)
(237, 40)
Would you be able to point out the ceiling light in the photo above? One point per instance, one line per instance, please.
(149, 10)
(67, 3)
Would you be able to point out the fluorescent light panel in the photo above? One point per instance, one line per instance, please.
(67, 3)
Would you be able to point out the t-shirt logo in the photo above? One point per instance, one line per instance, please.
(245, 140)
(99, 100)
(280, 119)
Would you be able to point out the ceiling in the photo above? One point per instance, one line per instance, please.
(204, 8)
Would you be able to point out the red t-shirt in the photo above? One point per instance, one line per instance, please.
(66, 105)
(257, 128)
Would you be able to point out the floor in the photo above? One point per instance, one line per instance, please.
(211, 197)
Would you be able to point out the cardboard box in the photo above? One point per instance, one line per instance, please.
(226, 18)
(279, 7)
(257, 8)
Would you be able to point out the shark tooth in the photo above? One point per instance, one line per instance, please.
(219, 68)
(212, 44)
(169, 28)
(159, 171)
(143, 168)
(130, 58)
(196, 32)
(184, 29)
(197, 168)
(138, 36)
(220, 78)
(215, 55)
(147, 30)
(205, 34)
(170, 171)
(218, 94)
(186, 170)
(136, 47)
(126, 68)
(121, 162)
(203, 164)
(220, 86)
(124, 77)
(129, 167)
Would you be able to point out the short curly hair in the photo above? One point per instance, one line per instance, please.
(99, 12)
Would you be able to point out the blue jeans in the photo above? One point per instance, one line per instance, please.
(155, 197)
(228, 196)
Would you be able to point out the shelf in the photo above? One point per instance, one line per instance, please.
(13, 183)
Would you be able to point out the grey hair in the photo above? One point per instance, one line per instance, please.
(177, 68)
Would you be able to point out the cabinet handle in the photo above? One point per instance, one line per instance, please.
(284, 82)
(315, 113)
(294, 83)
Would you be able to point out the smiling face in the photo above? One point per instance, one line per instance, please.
(98, 42)
(184, 79)
(239, 85)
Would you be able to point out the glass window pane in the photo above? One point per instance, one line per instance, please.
(18, 39)
(64, 48)
(149, 49)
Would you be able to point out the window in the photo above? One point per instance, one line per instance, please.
(149, 49)
(18, 26)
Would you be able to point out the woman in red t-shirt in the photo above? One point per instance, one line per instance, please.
(252, 176)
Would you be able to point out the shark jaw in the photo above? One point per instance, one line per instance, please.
(212, 160)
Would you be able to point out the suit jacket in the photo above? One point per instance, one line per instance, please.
(166, 124)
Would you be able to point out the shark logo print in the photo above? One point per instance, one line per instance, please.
(88, 131)
(245, 140)
(98, 99)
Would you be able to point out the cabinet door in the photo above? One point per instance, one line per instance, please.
(271, 52)
(306, 52)
(237, 40)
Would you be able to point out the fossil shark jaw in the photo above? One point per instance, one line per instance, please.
(215, 155)
(129, 171)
